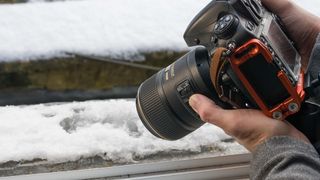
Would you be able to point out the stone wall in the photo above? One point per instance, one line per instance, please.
(74, 79)
(78, 73)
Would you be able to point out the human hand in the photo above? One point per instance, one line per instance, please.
(249, 127)
(302, 26)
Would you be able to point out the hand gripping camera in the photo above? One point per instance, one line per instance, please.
(245, 60)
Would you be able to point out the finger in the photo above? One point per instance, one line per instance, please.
(210, 112)
(278, 6)
(231, 121)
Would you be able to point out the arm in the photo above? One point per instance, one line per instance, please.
(284, 157)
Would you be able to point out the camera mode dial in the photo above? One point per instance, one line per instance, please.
(226, 26)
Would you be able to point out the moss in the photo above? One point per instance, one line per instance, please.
(13, 79)
(78, 73)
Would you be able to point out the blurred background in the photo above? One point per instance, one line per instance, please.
(69, 73)
(41, 44)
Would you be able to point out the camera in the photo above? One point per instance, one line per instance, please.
(242, 59)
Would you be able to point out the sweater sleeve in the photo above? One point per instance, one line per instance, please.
(285, 158)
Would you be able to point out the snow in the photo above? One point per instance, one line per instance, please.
(115, 28)
(310, 5)
(110, 129)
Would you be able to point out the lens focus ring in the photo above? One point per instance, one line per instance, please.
(154, 114)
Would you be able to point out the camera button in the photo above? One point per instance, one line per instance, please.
(277, 60)
(256, 8)
(222, 18)
(250, 25)
(226, 26)
(271, 50)
(185, 90)
(265, 42)
(223, 25)
(217, 26)
(246, 2)
(228, 18)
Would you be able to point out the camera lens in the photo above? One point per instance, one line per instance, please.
(162, 100)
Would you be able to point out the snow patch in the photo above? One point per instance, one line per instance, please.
(110, 129)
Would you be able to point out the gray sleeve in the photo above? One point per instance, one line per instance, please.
(285, 158)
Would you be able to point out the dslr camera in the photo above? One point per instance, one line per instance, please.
(243, 59)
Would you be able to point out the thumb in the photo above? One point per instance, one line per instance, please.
(278, 7)
(208, 110)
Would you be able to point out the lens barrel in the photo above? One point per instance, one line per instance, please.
(162, 100)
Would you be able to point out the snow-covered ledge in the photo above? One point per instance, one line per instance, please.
(93, 134)
(113, 28)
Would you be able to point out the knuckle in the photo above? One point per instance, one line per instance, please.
(205, 114)
(234, 123)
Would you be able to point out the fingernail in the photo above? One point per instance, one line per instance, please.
(193, 102)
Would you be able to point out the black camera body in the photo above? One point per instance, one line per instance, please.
(257, 67)
(270, 79)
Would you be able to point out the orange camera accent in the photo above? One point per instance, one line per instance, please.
(252, 49)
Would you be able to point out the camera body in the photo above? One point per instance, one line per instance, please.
(266, 66)
(245, 60)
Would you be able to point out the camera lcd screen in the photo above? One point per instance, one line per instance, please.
(263, 78)
(284, 48)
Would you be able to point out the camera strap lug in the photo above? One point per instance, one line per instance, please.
(216, 65)
(231, 46)
(218, 76)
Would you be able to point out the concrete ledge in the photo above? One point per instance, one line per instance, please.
(227, 167)
(23, 97)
